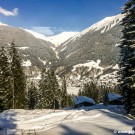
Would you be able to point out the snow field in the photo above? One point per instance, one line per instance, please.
(45, 120)
(40, 119)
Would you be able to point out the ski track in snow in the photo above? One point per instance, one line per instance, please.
(42, 120)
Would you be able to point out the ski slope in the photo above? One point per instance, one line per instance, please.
(96, 120)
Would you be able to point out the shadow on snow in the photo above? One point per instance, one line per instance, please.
(7, 122)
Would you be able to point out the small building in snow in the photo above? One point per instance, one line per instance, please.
(83, 101)
(115, 99)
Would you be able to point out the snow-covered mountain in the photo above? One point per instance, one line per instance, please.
(56, 40)
(94, 52)
(34, 51)
(37, 35)
(61, 38)
(103, 26)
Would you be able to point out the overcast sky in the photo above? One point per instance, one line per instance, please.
(54, 16)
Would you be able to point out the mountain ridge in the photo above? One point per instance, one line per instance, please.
(97, 43)
(90, 46)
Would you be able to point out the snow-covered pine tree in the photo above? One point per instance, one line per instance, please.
(64, 93)
(127, 56)
(49, 92)
(91, 90)
(54, 89)
(44, 90)
(32, 96)
(19, 78)
(5, 81)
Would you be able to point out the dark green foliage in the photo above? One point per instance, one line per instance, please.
(64, 93)
(5, 81)
(67, 99)
(90, 90)
(32, 96)
(85, 48)
(54, 89)
(70, 100)
(48, 90)
(43, 90)
(50, 95)
(105, 98)
(19, 78)
(80, 92)
(12, 80)
(127, 56)
(97, 92)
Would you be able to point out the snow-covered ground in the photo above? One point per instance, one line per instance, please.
(96, 120)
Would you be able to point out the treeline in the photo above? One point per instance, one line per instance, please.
(49, 95)
(14, 93)
(127, 57)
(12, 79)
(97, 92)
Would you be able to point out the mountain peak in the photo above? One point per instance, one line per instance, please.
(104, 25)
(55, 39)
(62, 37)
(37, 35)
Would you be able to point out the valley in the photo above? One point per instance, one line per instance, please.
(79, 56)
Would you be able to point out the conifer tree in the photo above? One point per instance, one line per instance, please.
(44, 90)
(64, 93)
(54, 89)
(105, 98)
(80, 93)
(70, 100)
(32, 96)
(19, 79)
(5, 81)
(49, 91)
(127, 56)
(90, 90)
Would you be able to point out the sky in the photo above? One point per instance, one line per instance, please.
(50, 17)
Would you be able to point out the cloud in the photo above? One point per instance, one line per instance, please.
(47, 31)
(5, 12)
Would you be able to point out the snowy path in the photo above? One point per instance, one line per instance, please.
(97, 120)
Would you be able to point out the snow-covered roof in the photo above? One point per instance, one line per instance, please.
(112, 96)
(82, 99)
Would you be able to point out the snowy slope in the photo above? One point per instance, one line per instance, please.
(61, 38)
(103, 25)
(55, 39)
(46, 121)
(92, 70)
(30, 47)
(37, 35)
(93, 53)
